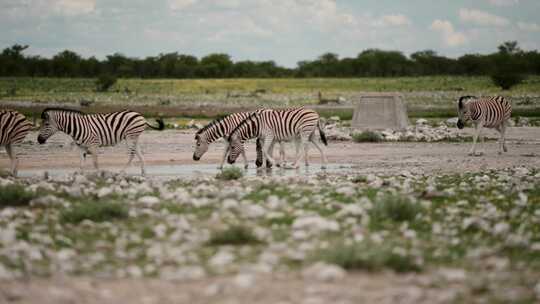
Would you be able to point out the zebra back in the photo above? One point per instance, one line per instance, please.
(492, 110)
(13, 127)
(221, 127)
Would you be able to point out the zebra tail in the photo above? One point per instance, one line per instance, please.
(321, 133)
(161, 125)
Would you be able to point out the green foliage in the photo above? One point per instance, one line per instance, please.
(507, 79)
(368, 256)
(14, 196)
(508, 66)
(230, 173)
(394, 208)
(93, 211)
(234, 235)
(367, 136)
(105, 82)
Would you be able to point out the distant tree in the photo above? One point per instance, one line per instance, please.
(216, 65)
(508, 66)
(105, 82)
(66, 64)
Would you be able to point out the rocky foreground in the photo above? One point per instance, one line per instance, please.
(471, 237)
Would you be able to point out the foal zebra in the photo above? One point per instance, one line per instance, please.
(489, 112)
(221, 128)
(90, 131)
(281, 125)
(13, 129)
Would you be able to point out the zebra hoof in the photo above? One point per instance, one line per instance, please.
(246, 166)
(323, 167)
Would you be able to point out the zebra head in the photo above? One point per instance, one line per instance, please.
(236, 147)
(48, 127)
(463, 111)
(201, 146)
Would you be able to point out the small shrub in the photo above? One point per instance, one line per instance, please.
(14, 196)
(367, 136)
(507, 80)
(230, 173)
(368, 256)
(235, 235)
(94, 211)
(105, 82)
(394, 208)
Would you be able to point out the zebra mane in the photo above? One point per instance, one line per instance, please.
(467, 97)
(245, 121)
(61, 110)
(210, 125)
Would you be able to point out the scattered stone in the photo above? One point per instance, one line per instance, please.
(324, 272)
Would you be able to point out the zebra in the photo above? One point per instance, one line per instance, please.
(13, 129)
(90, 131)
(489, 112)
(296, 124)
(222, 128)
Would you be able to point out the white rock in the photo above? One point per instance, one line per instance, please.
(501, 228)
(421, 121)
(315, 223)
(104, 192)
(183, 273)
(452, 274)
(221, 258)
(148, 200)
(244, 280)
(324, 272)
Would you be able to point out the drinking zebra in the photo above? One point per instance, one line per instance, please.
(489, 112)
(222, 128)
(298, 124)
(90, 131)
(13, 129)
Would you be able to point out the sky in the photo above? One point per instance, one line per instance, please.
(285, 31)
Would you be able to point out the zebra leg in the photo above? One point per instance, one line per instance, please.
(472, 152)
(140, 157)
(282, 154)
(503, 137)
(300, 145)
(323, 156)
(271, 151)
(246, 165)
(266, 143)
(93, 151)
(131, 147)
(14, 159)
(225, 153)
(83, 153)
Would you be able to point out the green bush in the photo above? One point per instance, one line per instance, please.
(230, 173)
(367, 136)
(506, 80)
(14, 196)
(394, 208)
(368, 256)
(105, 82)
(235, 235)
(94, 211)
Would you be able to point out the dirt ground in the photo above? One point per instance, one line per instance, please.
(175, 147)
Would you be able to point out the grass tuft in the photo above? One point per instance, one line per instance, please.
(14, 196)
(230, 173)
(368, 256)
(234, 235)
(394, 208)
(94, 211)
(367, 136)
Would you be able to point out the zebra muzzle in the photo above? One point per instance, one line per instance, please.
(41, 140)
(460, 124)
(195, 157)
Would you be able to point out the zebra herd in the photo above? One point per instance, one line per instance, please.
(268, 126)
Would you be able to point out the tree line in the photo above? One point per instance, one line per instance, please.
(509, 58)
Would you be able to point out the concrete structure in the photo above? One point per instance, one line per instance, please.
(380, 111)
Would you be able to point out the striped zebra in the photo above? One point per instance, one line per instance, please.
(90, 131)
(269, 126)
(489, 112)
(222, 128)
(13, 129)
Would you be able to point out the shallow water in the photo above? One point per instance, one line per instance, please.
(201, 170)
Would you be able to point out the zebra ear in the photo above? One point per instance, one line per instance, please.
(460, 103)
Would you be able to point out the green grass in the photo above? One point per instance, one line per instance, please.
(94, 211)
(368, 256)
(230, 173)
(14, 196)
(367, 136)
(393, 209)
(234, 235)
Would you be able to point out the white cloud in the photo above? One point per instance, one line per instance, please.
(177, 5)
(529, 27)
(482, 18)
(503, 2)
(395, 20)
(75, 7)
(449, 34)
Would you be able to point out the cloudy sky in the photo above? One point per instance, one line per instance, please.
(285, 31)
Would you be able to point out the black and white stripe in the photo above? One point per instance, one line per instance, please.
(13, 129)
(489, 112)
(222, 128)
(90, 131)
(269, 126)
